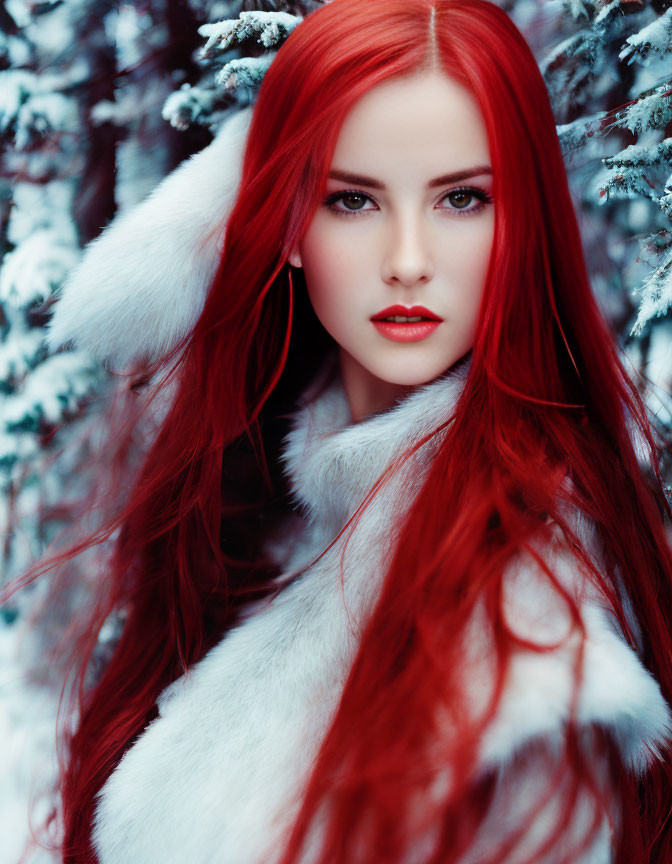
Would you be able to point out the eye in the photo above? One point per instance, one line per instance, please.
(351, 197)
(461, 198)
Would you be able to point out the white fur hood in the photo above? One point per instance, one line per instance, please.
(217, 777)
(141, 284)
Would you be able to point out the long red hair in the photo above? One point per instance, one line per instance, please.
(546, 398)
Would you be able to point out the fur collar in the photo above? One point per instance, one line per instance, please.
(333, 463)
(218, 775)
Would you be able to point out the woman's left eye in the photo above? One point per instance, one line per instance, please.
(459, 197)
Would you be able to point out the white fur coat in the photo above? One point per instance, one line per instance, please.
(217, 776)
(215, 779)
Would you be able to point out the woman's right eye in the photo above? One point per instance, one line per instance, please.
(349, 198)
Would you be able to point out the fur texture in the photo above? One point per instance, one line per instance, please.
(217, 777)
(141, 285)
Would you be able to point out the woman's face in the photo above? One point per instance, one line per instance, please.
(405, 220)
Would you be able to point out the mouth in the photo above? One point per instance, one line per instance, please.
(402, 324)
(405, 315)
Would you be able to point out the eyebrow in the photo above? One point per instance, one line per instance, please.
(456, 176)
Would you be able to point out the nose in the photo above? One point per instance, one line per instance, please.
(407, 259)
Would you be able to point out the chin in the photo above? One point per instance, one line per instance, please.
(412, 374)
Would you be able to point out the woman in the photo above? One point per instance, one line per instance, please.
(394, 591)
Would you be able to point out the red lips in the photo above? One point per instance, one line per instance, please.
(411, 311)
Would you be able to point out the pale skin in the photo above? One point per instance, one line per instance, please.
(409, 242)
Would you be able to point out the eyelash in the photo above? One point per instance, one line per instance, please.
(483, 197)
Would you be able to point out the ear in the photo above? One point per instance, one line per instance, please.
(295, 258)
(140, 285)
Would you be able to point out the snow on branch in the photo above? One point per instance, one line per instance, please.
(655, 295)
(30, 111)
(188, 105)
(244, 72)
(267, 28)
(574, 136)
(651, 110)
(631, 165)
(35, 268)
(655, 38)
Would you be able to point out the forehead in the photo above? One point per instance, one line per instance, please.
(425, 121)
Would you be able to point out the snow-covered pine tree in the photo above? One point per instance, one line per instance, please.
(82, 85)
(609, 75)
(237, 50)
(40, 159)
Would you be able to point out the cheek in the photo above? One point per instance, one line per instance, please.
(466, 266)
(467, 252)
(332, 278)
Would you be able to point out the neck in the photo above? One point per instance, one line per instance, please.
(366, 393)
(332, 463)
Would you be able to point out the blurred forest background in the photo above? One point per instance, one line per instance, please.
(100, 99)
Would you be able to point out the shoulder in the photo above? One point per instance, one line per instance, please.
(554, 653)
(614, 695)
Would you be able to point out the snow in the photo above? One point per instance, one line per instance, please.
(244, 72)
(187, 105)
(655, 295)
(268, 28)
(28, 763)
(31, 272)
(653, 39)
